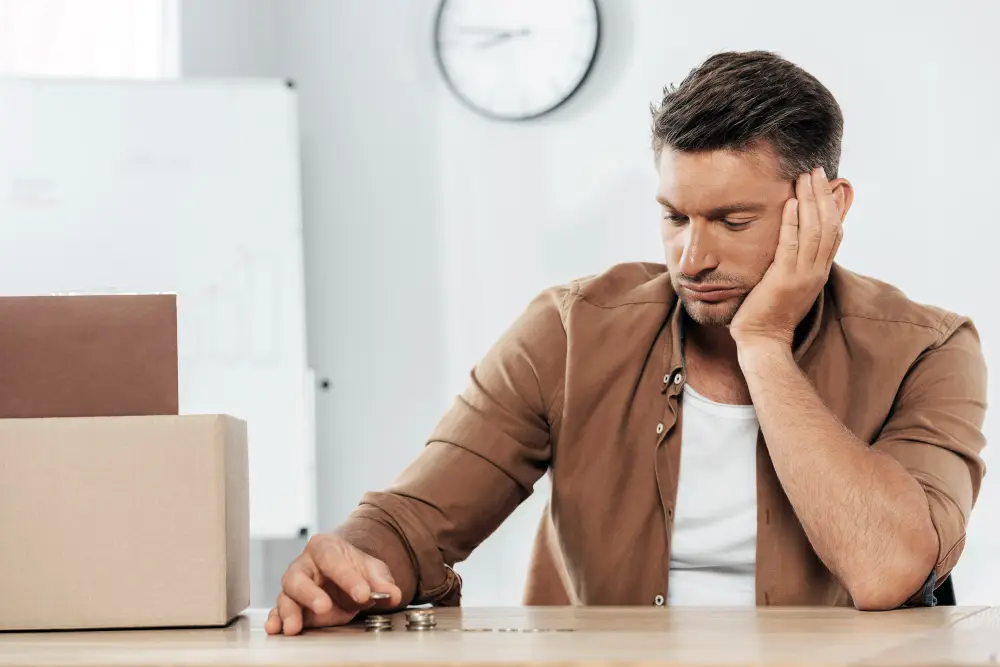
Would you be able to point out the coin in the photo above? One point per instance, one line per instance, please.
(420, 619)
(420, 626)
(378, 623)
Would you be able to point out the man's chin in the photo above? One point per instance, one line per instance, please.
(711, 314)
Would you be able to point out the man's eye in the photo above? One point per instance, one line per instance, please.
(676, 218)
(737, 224)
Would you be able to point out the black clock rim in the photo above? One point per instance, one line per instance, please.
(500, 117)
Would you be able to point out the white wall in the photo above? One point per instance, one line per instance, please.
(429, 228)
(228, 38)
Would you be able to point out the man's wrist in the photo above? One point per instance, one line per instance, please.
(755, 353)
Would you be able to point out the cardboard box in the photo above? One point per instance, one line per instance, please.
(123, 522)
(88, 356)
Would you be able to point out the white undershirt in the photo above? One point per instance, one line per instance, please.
(713, 550)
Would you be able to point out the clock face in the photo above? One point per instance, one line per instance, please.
(516, 59)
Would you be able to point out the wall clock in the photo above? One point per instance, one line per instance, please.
(516, 59)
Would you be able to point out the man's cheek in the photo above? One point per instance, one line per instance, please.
(764, 261)
(667, 233)
(673, 245)
(768, 246)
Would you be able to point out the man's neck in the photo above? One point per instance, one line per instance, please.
(710, 340)
(713, 367)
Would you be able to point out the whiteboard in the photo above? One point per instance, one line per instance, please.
(191, 188)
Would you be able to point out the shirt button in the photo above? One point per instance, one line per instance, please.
(659, 601)
(678, 378)
(659, 429)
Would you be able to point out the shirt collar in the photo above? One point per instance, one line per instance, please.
(673, 353)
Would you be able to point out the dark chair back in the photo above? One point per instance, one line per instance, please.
(945, 593)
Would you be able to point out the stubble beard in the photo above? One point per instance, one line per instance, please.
(713, 314)
(709, 314)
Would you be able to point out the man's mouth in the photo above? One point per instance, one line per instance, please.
(710, 293)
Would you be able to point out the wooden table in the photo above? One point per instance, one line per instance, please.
(626, 636)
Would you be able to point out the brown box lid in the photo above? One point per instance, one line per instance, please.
(88, 356)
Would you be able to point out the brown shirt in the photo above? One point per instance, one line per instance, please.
(586, 386)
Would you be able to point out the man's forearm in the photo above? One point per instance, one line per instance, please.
(864, 514)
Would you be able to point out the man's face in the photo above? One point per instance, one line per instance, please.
(721, 213)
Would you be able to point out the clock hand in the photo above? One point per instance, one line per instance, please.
(474, 29)
(501, 36)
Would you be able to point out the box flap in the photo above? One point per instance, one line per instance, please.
(83, 356)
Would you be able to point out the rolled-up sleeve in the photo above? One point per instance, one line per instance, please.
(479, 464)
(935, 432)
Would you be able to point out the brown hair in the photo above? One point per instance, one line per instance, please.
(736, 100)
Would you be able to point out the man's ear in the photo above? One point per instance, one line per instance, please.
(843, 195)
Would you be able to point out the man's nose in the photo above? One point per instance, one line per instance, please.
(699, 253)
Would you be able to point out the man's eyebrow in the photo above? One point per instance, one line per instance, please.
(721, 211)
(737, 207)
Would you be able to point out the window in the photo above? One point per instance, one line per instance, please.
(89, 38)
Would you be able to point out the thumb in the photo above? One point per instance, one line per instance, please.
(381, 580)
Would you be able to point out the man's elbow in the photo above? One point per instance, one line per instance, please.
(893, 585)
(883, 598)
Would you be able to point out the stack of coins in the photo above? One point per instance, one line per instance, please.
(420, 619)
(378, 623)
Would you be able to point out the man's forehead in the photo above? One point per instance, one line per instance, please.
(712, 179)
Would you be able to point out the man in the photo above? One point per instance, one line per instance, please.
(831, 428)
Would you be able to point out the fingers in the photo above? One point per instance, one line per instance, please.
(839, 236)
(328, 585)
(291, 615)
(335, 616)
(382, 582)
(291, 618)
(344, 573)
(299, 585)
(810, 230)
(788, 237)
(829, 218)
(273, 623)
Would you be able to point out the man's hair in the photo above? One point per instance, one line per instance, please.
(734, 101)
